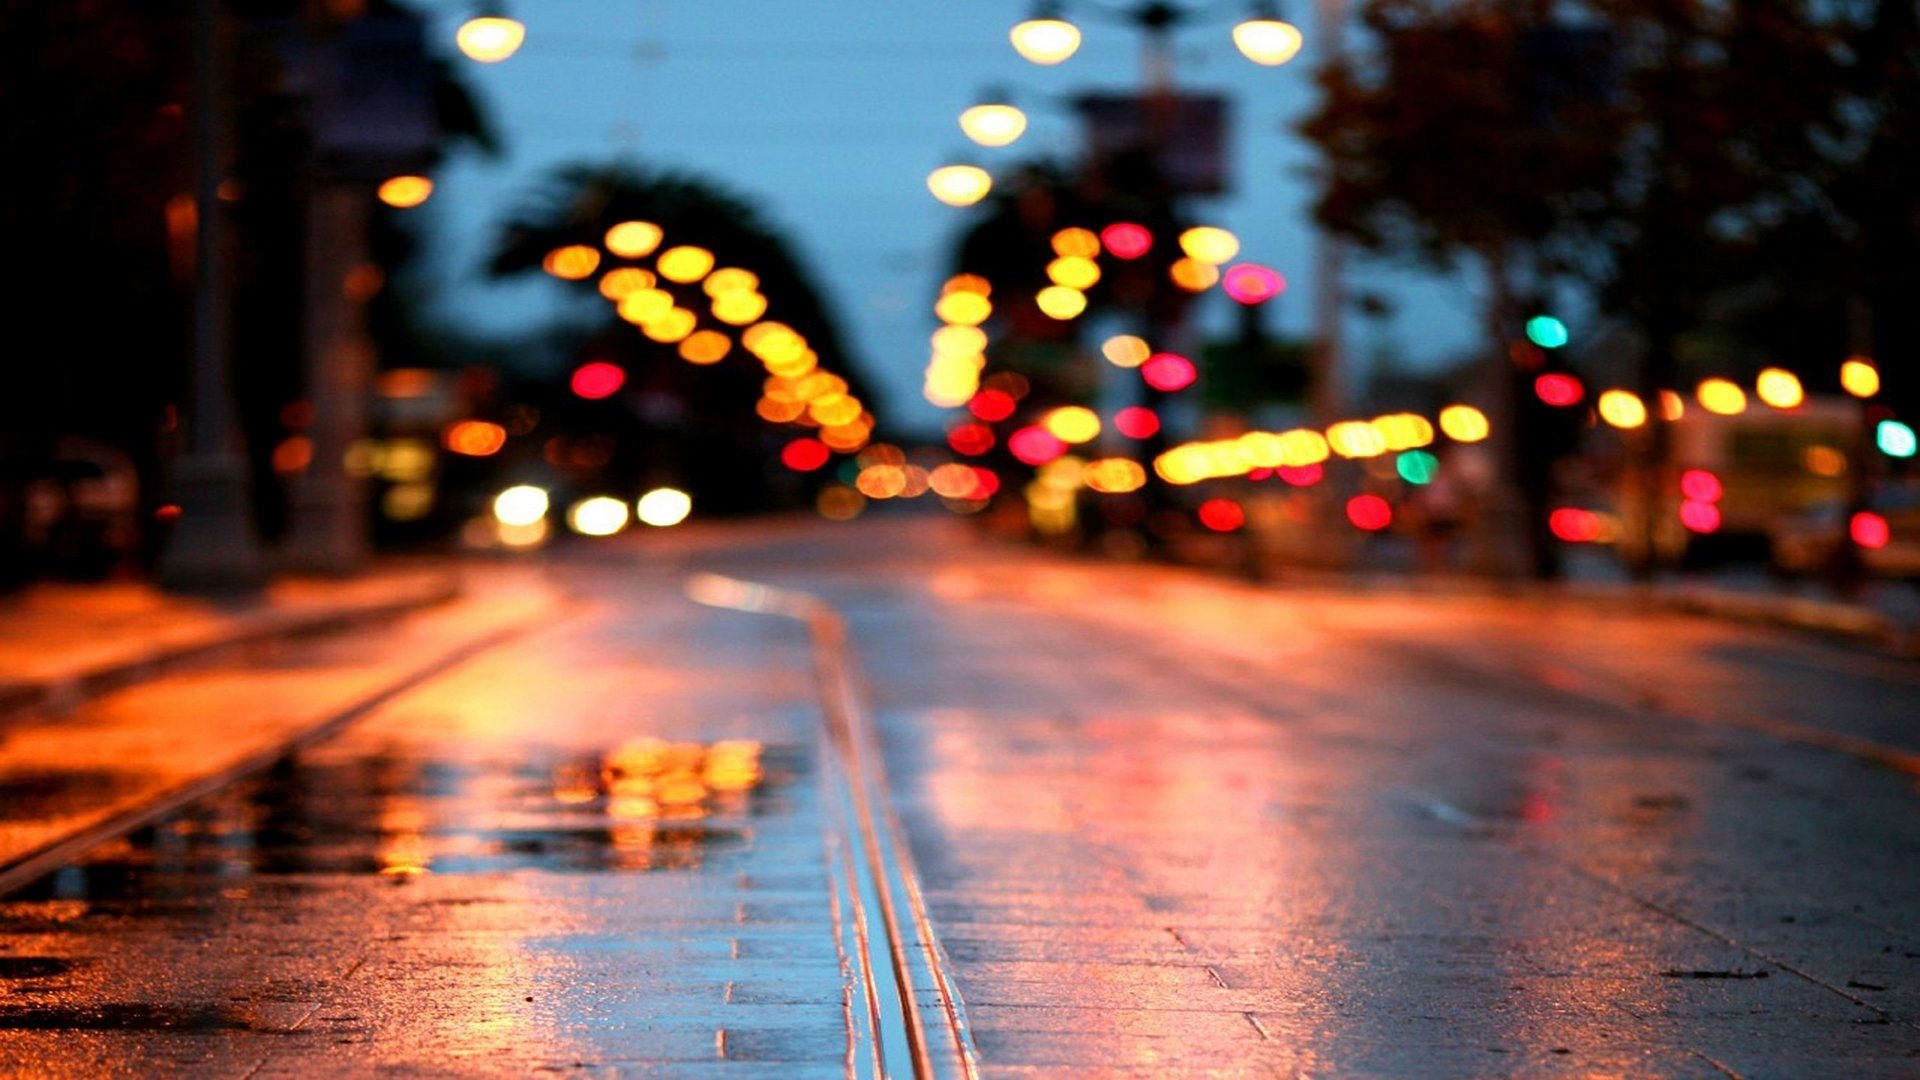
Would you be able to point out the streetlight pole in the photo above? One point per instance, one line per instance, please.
(213, 548)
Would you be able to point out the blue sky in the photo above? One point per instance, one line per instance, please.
(831, 112)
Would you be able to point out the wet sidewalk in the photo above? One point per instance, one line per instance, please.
(62, 643)
(602, 847)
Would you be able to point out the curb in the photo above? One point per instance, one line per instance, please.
(62, 693)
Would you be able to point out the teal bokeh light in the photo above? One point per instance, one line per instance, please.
(1895, 439)
(1546, 331)
(1418, 467)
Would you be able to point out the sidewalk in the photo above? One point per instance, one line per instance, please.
(1882, 613)
(63, 643)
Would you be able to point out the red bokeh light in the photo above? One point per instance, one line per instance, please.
(1700, 517)
(805, 455)
(1258, 475)
(971, 439)
(1136, 422)
(1700, 486)
(1035, 446)
(598, 379)
(1369, 512)
(1251, 283)
(1556, 388)
(1869, 530)
(1301, 475)
(986, 483)
(991, 405)
(1222, 515)
(1575, 526)
(1168, 371)
(1126, 240)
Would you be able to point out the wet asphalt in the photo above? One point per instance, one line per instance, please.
(1165, 824)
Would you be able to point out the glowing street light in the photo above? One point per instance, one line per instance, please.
(960, 185)
(1265, 38)
(490, 36)
(994, 122)
(1046, 38)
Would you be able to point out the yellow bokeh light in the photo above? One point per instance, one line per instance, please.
(1074, 272)
(634, 239)
(1779, 388)
(1072, 424)
(600, 515)
(1193, 275)
(1404, 431)
(642, 306)
(819, 385)
(1076, 243)
(530, 535)
(774, 342)
(1622, 409)
(1115, 476)
(1301, 447)
(1859, 377)
(1210, 245)
(959, 341)
(574, 262)
(617, 285)
(963, 308)
(685, 264)
(739, 308)
(1464, 423)
(1125, 350)
(706, 347)
(1721, 397)
(835, 411)
(730, 279)
(1268, 42)
(405, 192)
(1060, 302)
(670, 326)
(1356, 439)
(663, 507)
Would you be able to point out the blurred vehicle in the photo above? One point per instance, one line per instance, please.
(1886, 534)
(1741, 474)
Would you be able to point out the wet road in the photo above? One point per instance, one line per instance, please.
(1164, 825)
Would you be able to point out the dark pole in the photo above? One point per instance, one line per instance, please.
(212, 549)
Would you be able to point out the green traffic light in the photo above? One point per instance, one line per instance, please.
(1546, 331)
(1896, 439)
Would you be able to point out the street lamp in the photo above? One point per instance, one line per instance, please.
(960, 185)
(1263, 36)
(1046, 38)
(490, 36)
(995, 121)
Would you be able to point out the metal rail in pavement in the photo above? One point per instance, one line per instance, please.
(913, 1015)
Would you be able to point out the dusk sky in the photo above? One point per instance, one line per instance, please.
(830, 113)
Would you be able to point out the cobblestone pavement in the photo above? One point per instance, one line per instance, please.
(1166, 825)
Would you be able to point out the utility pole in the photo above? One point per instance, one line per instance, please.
(213, 548)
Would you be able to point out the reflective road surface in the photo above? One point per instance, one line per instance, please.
(1164, 824)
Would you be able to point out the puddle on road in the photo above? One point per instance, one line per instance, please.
(645, 805)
